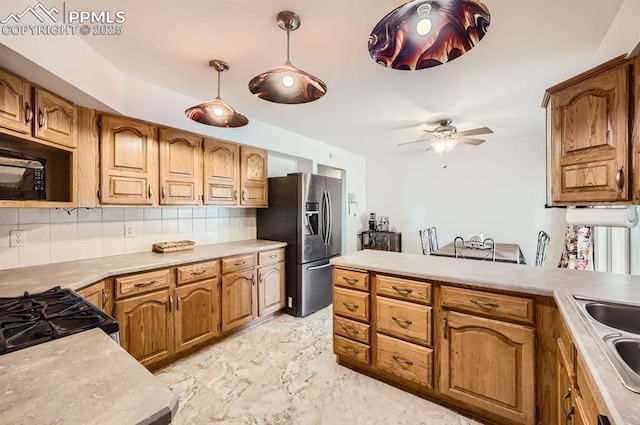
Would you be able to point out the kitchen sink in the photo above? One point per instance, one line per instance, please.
(629, 351)
(618, 316)
(616, 327)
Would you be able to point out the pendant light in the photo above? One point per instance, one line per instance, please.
(287, 83)
(217, 112)
(425, 33)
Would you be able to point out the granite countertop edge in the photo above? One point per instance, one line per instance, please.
(623, 405)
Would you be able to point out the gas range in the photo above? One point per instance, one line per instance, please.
(36, 318)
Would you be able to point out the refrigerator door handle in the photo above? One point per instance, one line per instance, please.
(324, 266)
(329, 217)
(325, 224)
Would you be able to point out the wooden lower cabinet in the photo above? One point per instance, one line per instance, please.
(239, 295)
(197, 314)
(146, 326)
(270, 288)
(97, 295)
(407, 361)
(489, 365)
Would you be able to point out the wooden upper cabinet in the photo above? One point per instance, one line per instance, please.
(588, 128)
(221, 172)
(489, 365)
(253, 174)
(180, 167)
(16, 111)
(55, 119)
(128, 162)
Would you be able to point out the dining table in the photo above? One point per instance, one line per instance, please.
(505, 252)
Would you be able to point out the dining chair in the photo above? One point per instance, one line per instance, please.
(541, 250)
(429, 240)
(459, 243)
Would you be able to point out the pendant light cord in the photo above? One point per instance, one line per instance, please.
(288, 31)
(218, 97)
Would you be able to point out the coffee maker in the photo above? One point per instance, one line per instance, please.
(372, 221)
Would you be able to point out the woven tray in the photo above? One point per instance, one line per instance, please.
(174, 246)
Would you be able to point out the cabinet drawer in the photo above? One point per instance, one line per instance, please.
(239, 262)
(353, 304)
(198, 271)
(351, 349)
(351, 329)
(142, 282)
(351, 279)
(406, 360)
(404, 320)
(405, 289)
(493, 305)
(270, 257)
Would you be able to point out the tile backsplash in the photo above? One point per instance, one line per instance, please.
(56, 235)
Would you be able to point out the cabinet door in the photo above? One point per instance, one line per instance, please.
(197, 313)
(270, 289)
(180, 169)
(221, 172)
(55, 118)
(253, 175)
(565, 407)
(590, 139)
(489, 365)
(128, 163)
(146, 326)
(239, 293)
(16, 111)
(96, 294)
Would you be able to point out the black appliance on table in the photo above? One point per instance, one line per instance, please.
(305, 211)
(32, 319)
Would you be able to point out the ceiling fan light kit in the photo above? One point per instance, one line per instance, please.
(217, 112)
(286, 83)
(446, 137)
(425, 33)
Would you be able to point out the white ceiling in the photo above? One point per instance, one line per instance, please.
(530, 45)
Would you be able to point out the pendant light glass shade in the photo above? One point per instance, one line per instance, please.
(217, 112)
(425, 33)
(287, 83)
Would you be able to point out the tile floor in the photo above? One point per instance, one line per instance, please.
(284, 372)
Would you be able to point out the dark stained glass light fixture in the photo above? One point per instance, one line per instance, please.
(425, 33)
(287, 83)
(217, 112)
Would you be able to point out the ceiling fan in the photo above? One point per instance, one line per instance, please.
(445, 137)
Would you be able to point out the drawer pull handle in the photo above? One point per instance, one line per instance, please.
(352, 307)
(350, 280)
(444, 328)
(143, 284)
(352, 331)
(403, 361)
(402, 322)
(239, 263)
(351, 350)
(273, 256)
(484, 304)
(403, 291)
(105, 298)
(197, 272)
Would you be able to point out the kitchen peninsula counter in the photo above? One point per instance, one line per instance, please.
(623, 404)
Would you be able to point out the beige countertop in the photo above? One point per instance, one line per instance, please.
(86, 378)
(77, 274)
(623, 404)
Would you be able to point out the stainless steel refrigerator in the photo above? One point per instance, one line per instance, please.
(305, 211)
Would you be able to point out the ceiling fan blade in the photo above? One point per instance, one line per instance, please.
(476, 131)
(470, 141)
(430, 148)
(429, 131)
(415, 141)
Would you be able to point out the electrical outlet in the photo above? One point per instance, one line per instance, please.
(239, 223)
(289, 302)
(130, 230)
(17, 238)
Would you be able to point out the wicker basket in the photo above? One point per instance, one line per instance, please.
(174, 246)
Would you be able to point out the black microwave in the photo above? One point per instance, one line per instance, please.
(22, 176)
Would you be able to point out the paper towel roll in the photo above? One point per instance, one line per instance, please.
(608, 217)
